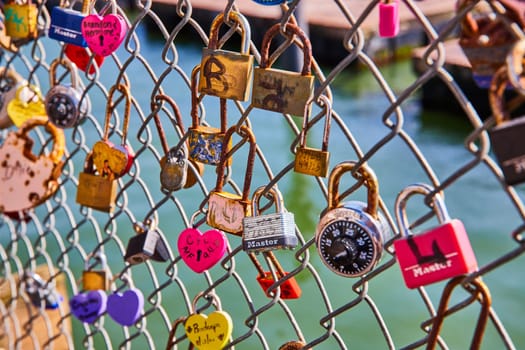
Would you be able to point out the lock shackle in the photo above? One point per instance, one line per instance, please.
(327, 123)
(195, 102)
(59, 142)
(258, 266)
(124, 89)
(98, 256)
(497, 87)
(240, 21)
(437, 204)
(157, 102)
(276, 195)
(481, 293)
(69, 66)
(514, 62)
(247, 136)
(289, 29)
(212, 299)
(364, 173)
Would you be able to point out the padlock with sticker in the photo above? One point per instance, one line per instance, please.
(436, 254)
(21, 19)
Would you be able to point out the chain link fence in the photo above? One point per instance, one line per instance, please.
(46, 250)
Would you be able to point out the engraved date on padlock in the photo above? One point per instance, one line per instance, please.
(311, 161)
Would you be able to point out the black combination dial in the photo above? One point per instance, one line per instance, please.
(347, 248)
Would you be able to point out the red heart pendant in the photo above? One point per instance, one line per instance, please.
(80, 56)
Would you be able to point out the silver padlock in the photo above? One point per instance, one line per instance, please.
(10, 81)
(173, 171)
(270, 231)
(64, 104)
(147, 244)
(41, 293)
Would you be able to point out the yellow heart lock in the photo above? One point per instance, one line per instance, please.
(27, 104)
(210, 332)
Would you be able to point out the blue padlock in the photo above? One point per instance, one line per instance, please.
(66, 25)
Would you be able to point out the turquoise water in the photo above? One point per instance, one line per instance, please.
(476, 198)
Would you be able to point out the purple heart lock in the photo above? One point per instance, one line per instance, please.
(126, 308)
(87, 307)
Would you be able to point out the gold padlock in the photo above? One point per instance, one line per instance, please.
(205, 143)
(20, 19)
(311, 161)
(280, 90)
(97, 191)
(227, 210)
(95, 279)
(227, 74)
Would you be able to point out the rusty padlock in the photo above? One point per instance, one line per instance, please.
(96, 189)
(205, 142)
(175, 172)
(280, 90)
(289, 288)
(227, 74)
(269, 231)
(435, 254)
(312, 161)
(29, 180)
(227, 210)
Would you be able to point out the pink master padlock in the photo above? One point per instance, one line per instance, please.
(437, 254)
(388, 18)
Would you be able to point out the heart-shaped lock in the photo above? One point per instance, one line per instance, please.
(82, 58)
(64, 103)
(200, 251)
(104, 33)
(27, 104)
(126, 308)
(10, 81)
(116, 159)
(87, 307)
(210, 332)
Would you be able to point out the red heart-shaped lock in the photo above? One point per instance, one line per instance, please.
(81, 57)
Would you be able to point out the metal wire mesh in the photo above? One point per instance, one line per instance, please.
(375, 310)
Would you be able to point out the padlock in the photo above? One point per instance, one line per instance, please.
(506, 136)
(95, 279)
(66, 24)
(40, 293)
(21, 19)
(27, 104)
(388, 18)
(279, 90)
(205, 142)
(126, 308)
(486, 37)
(293, 345)
(269, 231)
(175, 172)
(97, 189)
(435, 254)
(10, 81)
(146, 244)
(65, 105)
(312, 161)
(289, 288)
(106, 155)
(227, 210)
(350, 236)
(227, 74)
(29, 180)
(82, 58)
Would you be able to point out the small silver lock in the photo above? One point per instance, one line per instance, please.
(174, 169)
(270, 231)
(41, 293)
(64, 104)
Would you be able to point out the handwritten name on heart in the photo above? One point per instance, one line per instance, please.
(209, 332)
(87, 307)
(200, 251)
(104, 34)
(126, 308)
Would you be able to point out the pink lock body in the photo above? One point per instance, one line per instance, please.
(435, 255)
(389, 19)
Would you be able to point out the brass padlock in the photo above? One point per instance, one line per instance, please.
(10, 81)
(97, 189)
(312, 161)
(350, 236)
(21, 19)
(29, 180)
(175, 172)
(95, 279)
(205, 143)
(279, 90)
(227, 74)
(227, 210)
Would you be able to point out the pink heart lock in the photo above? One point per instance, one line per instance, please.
(200, 251)
(104, 34)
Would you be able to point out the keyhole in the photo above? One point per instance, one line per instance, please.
(199, 253)
(101, 39)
